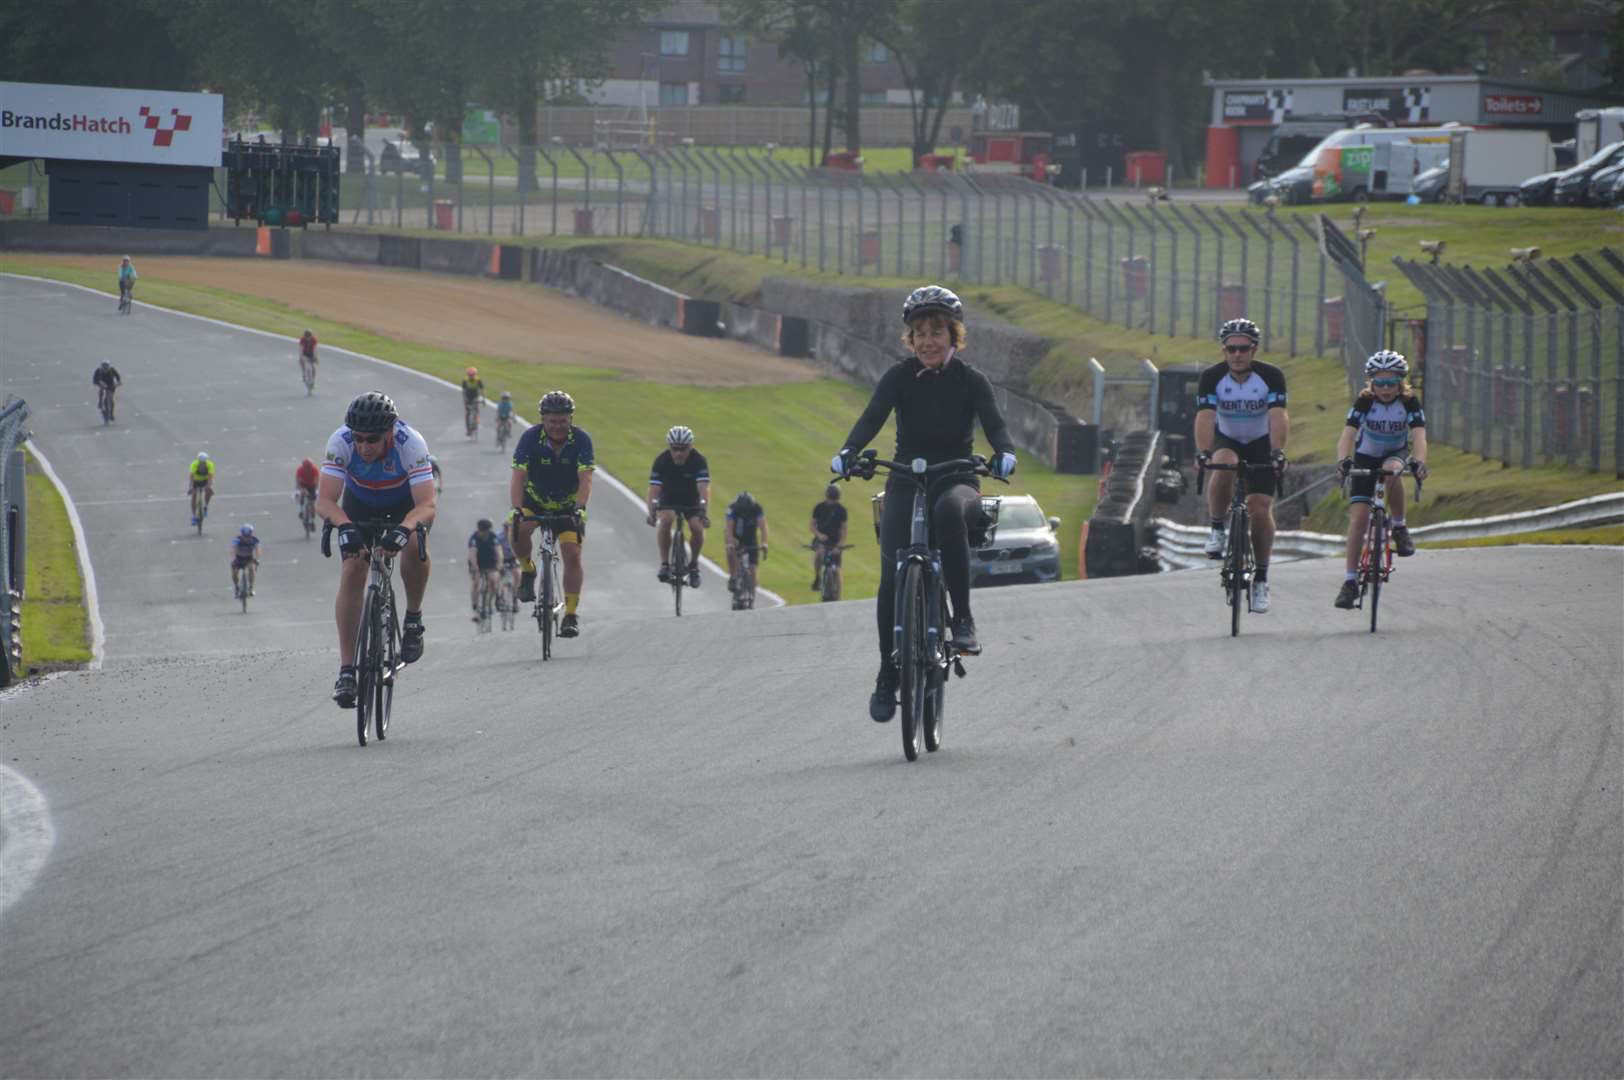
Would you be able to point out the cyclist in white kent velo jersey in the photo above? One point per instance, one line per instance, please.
(1241, 416)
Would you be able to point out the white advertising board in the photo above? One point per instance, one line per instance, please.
(98, 123)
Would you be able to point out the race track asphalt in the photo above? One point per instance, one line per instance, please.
(1146, 848)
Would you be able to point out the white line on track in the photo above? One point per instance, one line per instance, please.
(29, 835)
(613, 482)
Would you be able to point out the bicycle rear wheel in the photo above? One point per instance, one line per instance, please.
(390, 626)
(831, 586)
(242, 590)
(679, 569)
(913, 661)
(485, 604)
(936, 677)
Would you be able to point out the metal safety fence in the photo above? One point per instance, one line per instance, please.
(1522, 363)
(1146, 263)
(13, 529)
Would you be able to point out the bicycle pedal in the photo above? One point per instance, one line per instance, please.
(958, 667)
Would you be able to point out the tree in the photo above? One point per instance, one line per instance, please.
(131, 44)
(936, 43)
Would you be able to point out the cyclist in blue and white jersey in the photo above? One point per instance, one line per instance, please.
(1241, 416)
(1386, 429)
(376, 473)
(504, 408)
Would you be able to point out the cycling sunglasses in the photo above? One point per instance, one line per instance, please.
(1386, 382)
(1239, 348)
(368, 439)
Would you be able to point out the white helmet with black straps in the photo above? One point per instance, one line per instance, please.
(1244, 327)
(1386, 361)
(932, 298)
(679, 436)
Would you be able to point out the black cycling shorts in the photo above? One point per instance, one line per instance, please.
(373, 520)
(1361, 488)
(1255, 452)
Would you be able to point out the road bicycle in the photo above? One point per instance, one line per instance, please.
(200, 506)
(1376, 556)
(504, 431)
(923, 649)
(307, 511)
(104, 402)
(1237, 569)
(307, 372)
(829, 569)
(125, 292)
(549, 609)
(487, 603)
(377, 635)
(679, 550)
(245, 583)
(743, 584)
(470, 417)
(507, 600)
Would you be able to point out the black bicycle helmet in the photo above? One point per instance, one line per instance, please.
(556, 401)
(932, 298)
(372, 411)
(1244, 327)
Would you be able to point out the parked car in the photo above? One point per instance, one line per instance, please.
(1431, 185)
(1294, 186)
(1599, 192)
(1536, 190)
(1023, 550)
(400, 155)
(1571, 186)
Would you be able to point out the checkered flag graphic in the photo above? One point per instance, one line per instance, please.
(1279, 104)
(1417, 103)
(162, 135)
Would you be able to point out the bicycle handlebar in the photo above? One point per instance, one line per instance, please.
(1411, 468)
(420, 529)
(869, 460)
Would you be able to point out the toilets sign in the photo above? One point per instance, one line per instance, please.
(96, 123)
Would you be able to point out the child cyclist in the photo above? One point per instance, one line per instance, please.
(1386, 429)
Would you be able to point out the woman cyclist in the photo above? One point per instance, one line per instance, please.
(1386, 429)
(126, 282)
(937, 398)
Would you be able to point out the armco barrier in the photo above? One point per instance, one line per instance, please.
(614, 288)
(1118, 528)
(339, 247)
(42, 236)
(401, 252)
(1179, 546)
(469, 257)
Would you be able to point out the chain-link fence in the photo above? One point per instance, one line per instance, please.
(1522, 362)
(13, 551)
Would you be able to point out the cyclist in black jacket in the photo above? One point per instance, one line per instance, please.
(937, 398)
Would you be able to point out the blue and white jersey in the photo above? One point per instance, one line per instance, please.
(389, 479)
(244, 547)
(1242, 404)
(1384, 430)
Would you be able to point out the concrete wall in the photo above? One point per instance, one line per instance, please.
(42, 236)
(471, 257)
(339, 247)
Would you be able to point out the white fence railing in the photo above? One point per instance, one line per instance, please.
(1179, 546)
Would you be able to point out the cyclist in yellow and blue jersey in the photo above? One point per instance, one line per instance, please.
(200, 474)
(552, 474)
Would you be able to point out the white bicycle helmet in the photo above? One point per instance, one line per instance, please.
(1387, 361)
(679, 436)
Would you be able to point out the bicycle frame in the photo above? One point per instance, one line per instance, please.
(1235, 573)
(549, 606)
(377, 633)
(1376, 553)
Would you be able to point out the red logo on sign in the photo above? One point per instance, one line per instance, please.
(161, 136)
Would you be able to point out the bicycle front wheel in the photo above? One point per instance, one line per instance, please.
(366, 665)
(389, 635)
(913, 660)
(1239, 591)
(544, 608)
(1378, 561)
(679, 570)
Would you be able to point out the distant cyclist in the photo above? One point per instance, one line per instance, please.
(305, 478)
(106, 379)
(1387, 430)
(828, 531)
(377, 471)
(504, 407)
(307, 355)
(746, 529)
(473, 397)
(1241, 416)
(553, 466)
(126, 281)
(484, 562)
(200, 477)
(937, 398)
(244, 557)
(680, 477)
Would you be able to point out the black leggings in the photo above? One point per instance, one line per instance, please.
(951, 507)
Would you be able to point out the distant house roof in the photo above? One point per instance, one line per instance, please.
(688, 13)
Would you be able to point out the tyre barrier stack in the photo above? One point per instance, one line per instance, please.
(1118, 531)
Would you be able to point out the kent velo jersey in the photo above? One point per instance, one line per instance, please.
(1242, 404)
(1384, 430)
(388, 480)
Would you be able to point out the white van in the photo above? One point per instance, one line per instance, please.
(1369, 162)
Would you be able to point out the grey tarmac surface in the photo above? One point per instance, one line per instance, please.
(1146, 848)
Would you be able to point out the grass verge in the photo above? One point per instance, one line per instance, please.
(1611, 535)
(55, 632)
(773, 440)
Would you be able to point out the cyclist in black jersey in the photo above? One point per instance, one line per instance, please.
(828, 530)
(746, 528)
(937, 398)
(679, 479)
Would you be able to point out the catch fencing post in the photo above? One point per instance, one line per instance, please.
(620, 189)
(1195, 278)
(490, 194)
(1595, 306)
(1098, 370)
(1511, 304)
(553, 165)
